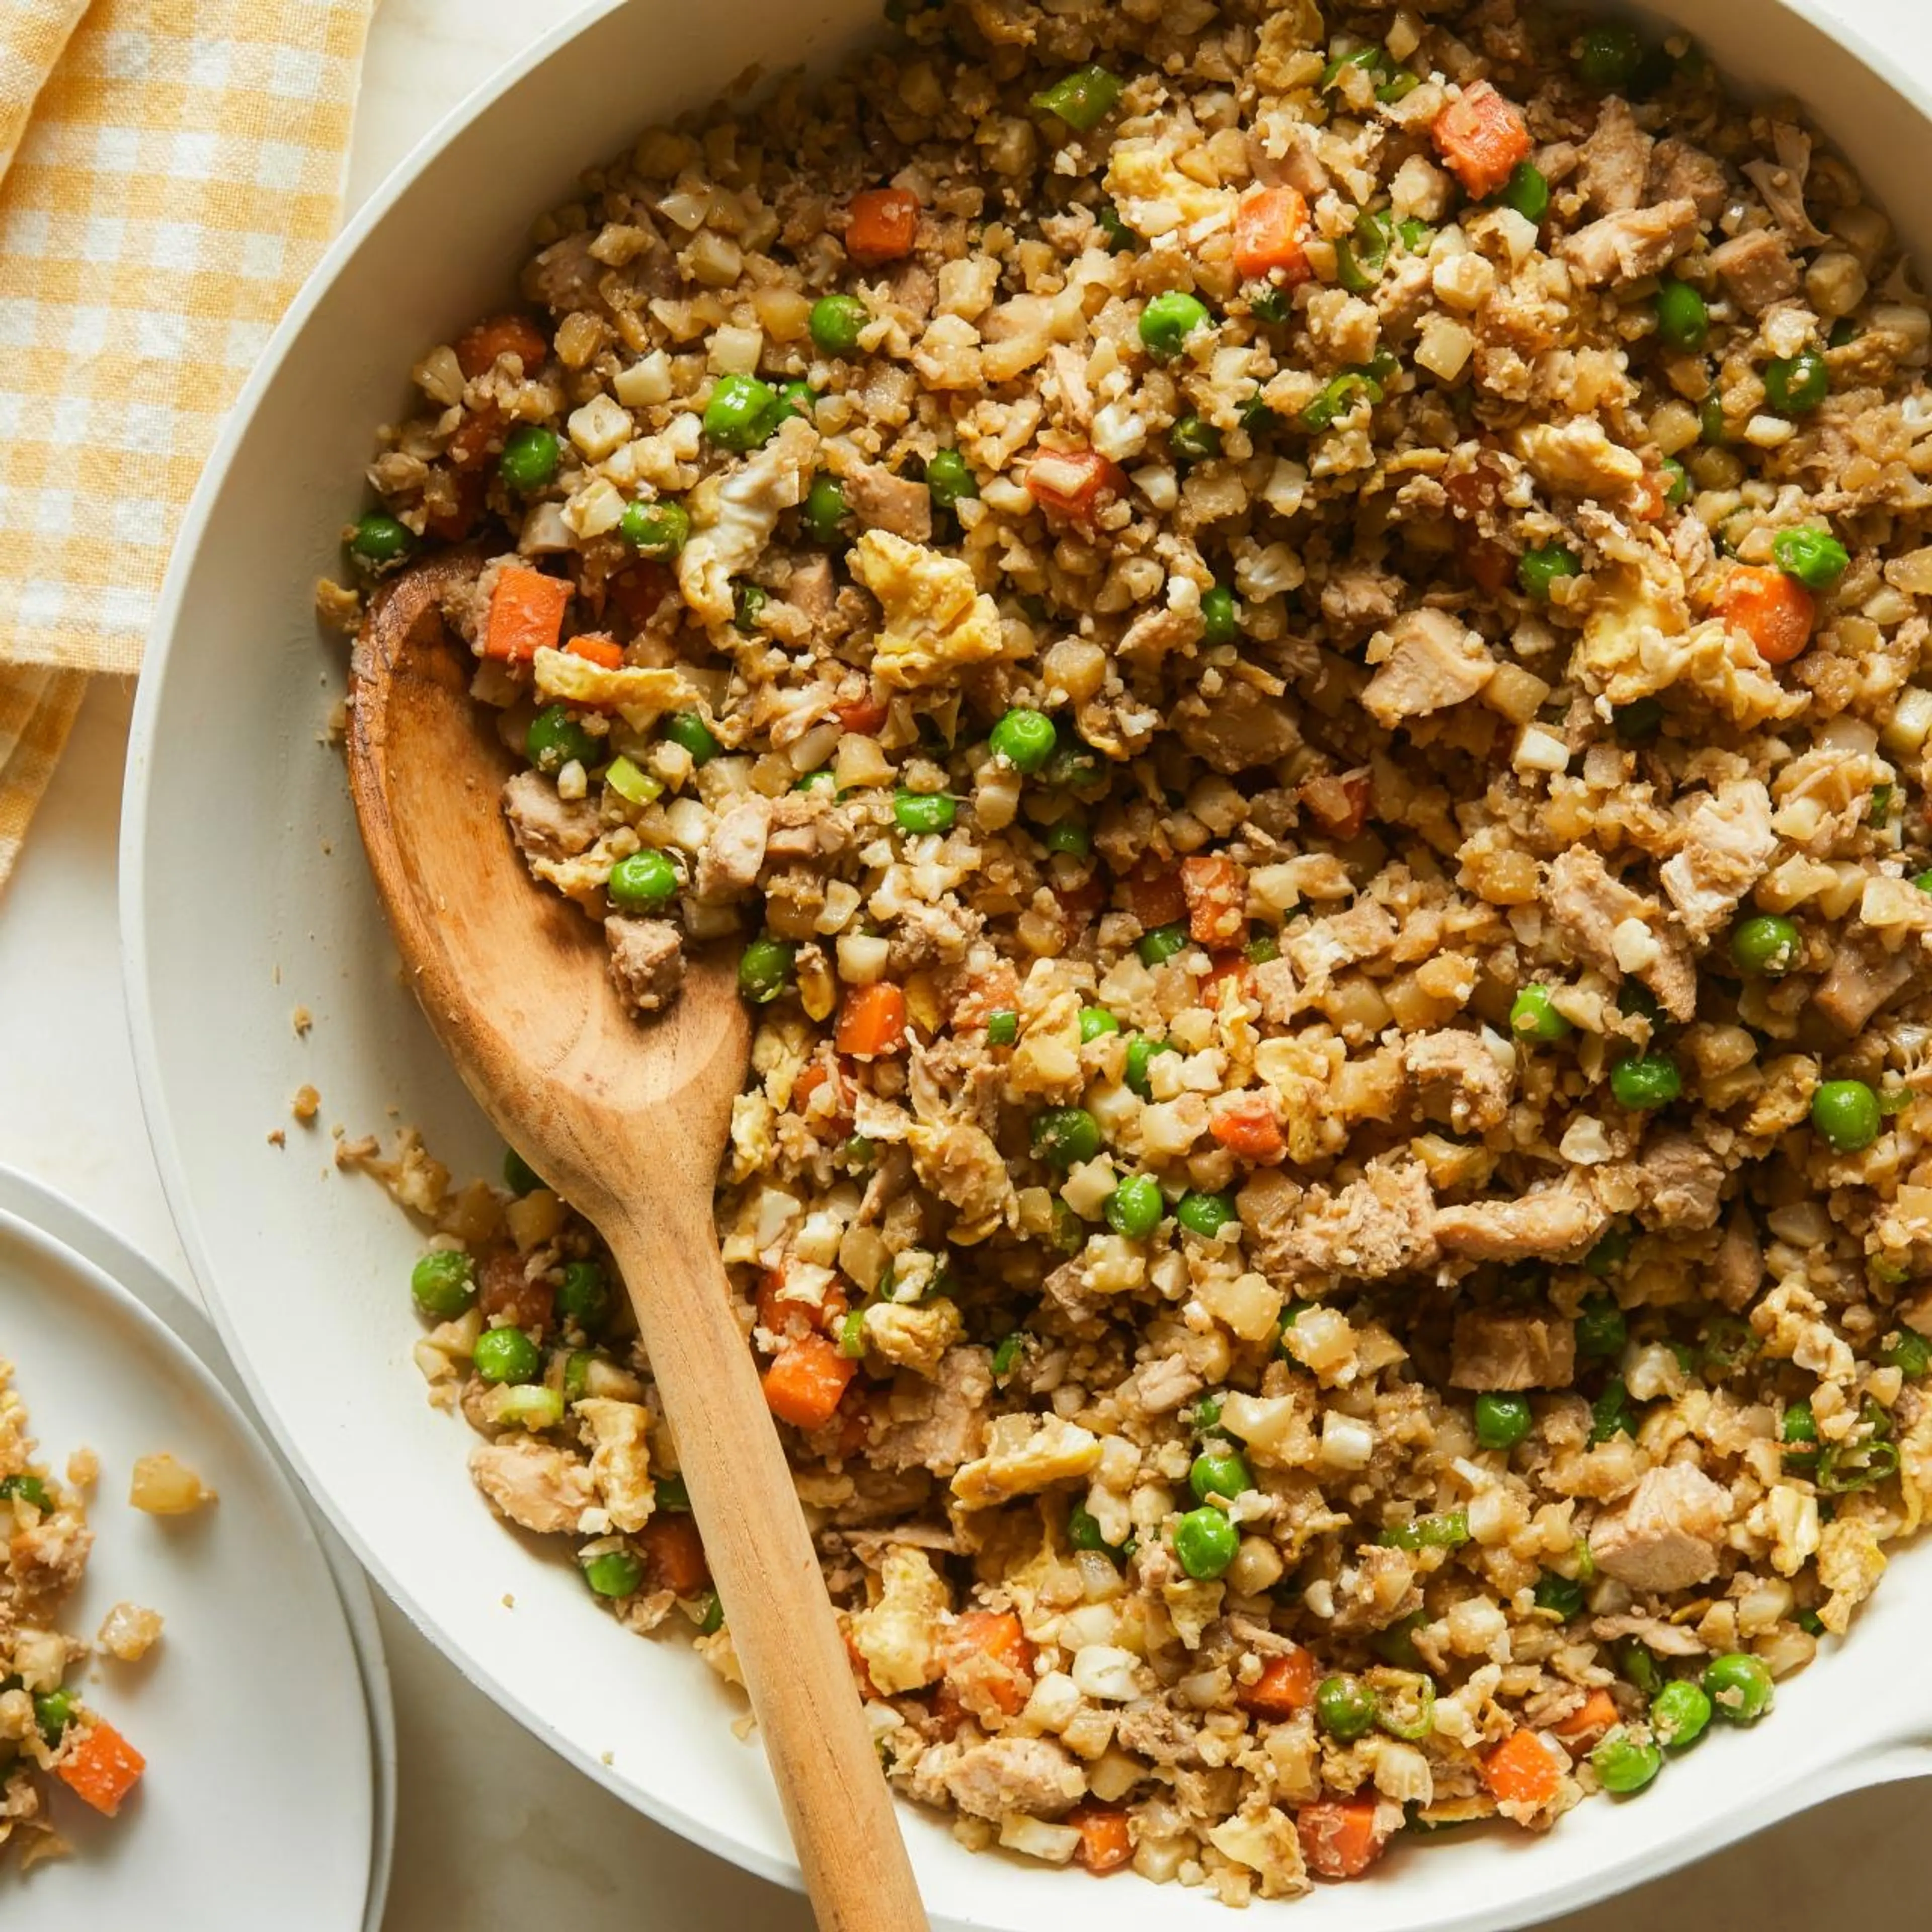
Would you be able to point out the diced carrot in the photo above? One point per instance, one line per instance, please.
(674, 1553)
(862, 715)
(1521, 1771)
(453, 524)
(1473, 494)
(1248, 1127)
(477, 348)
(995, 991)
(1285, 1685)
(1078, 903)
(1489, 565)
(525, 613)
(804, 1385)
(1482, 136)
(787, 1315)
(813, 1076)
(987, 1651)
(503, 1288)
(1340, 1836)
(1588, 1721)
(1774, 610)
(1650, 496)
(872, 1021)
(478, 436)
(596, 648)
(1270, 226)
(862, 1673)
(101, 1767)
(1154, 894)
(1338, 801)
(1075, 483)
(881, 225)
(638, 591)
(1222, 967)
(1104, 1843)
(1216, 890)
(855, 1424)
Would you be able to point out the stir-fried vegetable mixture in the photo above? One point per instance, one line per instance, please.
(1290, 649)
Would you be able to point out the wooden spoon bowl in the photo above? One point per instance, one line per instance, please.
(628, 1121)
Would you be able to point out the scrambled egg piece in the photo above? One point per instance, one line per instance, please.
(736, 514)
(1153, 196)
(1849, 1565)
(1025, 1454)
(936, 617)
(898, 1635)
(914, 1337)
(620, 1460)
(1577, 457)
(639, 691)
(1267, 1843)
(1636, 643)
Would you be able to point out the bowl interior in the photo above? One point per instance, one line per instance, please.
(245, 897)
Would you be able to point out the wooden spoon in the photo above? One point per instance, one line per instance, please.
(628, 1121)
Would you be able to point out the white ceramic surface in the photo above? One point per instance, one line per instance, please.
(213, 975)
(40, 1207)
(259, 1799)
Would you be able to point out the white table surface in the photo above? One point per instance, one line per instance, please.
(495, 1832)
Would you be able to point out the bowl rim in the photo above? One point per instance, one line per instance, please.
(1879, 1754)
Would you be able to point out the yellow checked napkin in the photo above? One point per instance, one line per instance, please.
(169, 171)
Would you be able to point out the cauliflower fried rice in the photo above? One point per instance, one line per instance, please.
(1289, 645)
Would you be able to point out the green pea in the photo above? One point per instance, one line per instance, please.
(1205, 1541)
(1121, 240)
(644, 881)
(616, 1572)
(1443, 1529)
(1026, 739)
(1135, 1208)
(1739, 1687)
(1766, 945)
(1502, 1420)
(584, 1295)
(764, 969)
(1083, 1529)
(1606, 56)
(1083, 99)
(1337, 397)
(1162, 944)
(506, 1355)
(1218, 1472)
(1683, 318)
(1645, 1080)
(1611, 1413)
(1395, 1645)
(657, 527)
(1345, 1707)
(671, 1495)
(825, 509)
(444, 1283)
(923, 812)
(1814, 556)
(1532, 1016)
(1063, 1136)
(1140, 1051)
(1679, 1714)
(1624, 1764)
(1194, 440)
(835, 322)
(796, 398)
(1006, 1356)
(528, 461)
(1797, 1424)
(687, 729)
(1204, 1418)
(1911, 1355)
(1638, 722)
(1637, 1666)
(379, 538)
(31, 1489)
(1205, 1214)
(1846, 1113)
(1072, 768)
(53, 1711)
(1219, 622)
(1003, 1028)
(741, 413)
(1634, 997)
(747, 607)
(1539, 569)
(1601, 1330)
(1527, 191)
(518, 1174)
(1563, 1595)
(1069, 835)
(1169, 320)
(555, 739)
(1794, 385)
(1095, 1021)
(948, 479)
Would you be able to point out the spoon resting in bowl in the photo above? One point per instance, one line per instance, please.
(628, 1123)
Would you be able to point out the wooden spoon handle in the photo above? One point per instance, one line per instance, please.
(820, 1750)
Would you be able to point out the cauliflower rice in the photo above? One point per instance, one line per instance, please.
(1304, 698)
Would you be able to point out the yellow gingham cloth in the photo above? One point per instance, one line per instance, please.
(169, 171)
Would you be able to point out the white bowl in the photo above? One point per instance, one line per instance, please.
(244, 893)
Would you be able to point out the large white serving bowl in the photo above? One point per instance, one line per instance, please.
(244, 895)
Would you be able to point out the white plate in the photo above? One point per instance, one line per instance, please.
(244, 893)
(260, 1795)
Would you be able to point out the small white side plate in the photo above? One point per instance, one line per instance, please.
(260, 1799)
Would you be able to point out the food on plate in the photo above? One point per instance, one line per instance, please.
(47, 1727)
(1289, 647)
(163, 1485)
